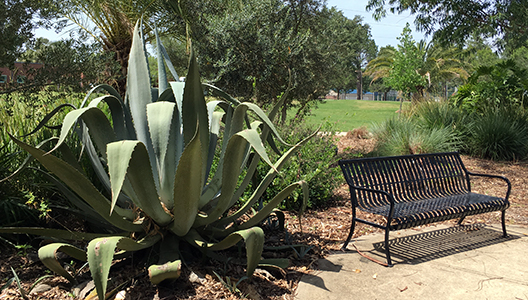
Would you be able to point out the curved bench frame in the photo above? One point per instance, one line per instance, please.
(413, 190)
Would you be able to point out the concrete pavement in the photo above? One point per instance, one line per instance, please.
(437, 262)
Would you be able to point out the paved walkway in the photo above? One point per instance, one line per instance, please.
(437, 262)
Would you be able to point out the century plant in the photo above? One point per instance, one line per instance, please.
(154, 154)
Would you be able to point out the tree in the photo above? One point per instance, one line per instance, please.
(68, 64)
(18, 19)
(404, 75)
(454, 21)
(353, 47)
(111, 23)
(264, 48)
(378, 69)
(442, 65)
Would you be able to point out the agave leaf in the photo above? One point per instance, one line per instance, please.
(129, 159)
(117, 111)
(139, 94)
(100, 129)
(48, 256)
(28, 159)
(214, 185)
(162, 74)
(243, 107)
(169, 270)
(254, 238)
(235, 153)
(89, 213)
(48, 116)
(194, 111)
(264, 183)
(282, 263)
(187, 187)
(177, 89)
(100, 253)
(100, 169)
(96, 88)
(168, 62)
(55, 233)
(216, 118)
(163, 119)
(80, 185)
(266, 210)
(221, 94)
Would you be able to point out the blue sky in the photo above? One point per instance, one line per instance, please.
(384, 32)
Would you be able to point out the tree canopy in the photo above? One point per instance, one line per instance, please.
(454, 21)
(18, 19)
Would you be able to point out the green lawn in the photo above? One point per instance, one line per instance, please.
(350, 114)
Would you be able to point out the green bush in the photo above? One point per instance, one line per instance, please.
(313, 163)
(504, 85)
(499, 135)
(405, 136)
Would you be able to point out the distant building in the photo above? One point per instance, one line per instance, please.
(350, 95)
(19, 73)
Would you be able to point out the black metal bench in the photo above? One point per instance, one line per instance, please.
(413, 190)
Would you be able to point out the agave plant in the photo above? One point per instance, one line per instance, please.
(153, 154)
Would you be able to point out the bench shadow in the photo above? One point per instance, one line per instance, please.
(428, 246)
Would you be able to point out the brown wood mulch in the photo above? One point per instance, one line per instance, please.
(323, 232)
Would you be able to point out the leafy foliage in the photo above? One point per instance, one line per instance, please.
(499, 135)
(153, 155)
(403, 75)
(504, 85)
(312, 163)
(404, 136)
(18, 18)
(455, 21)
(66, 65)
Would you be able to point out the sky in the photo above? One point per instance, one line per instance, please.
(383, 32)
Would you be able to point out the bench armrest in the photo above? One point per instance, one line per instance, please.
(508, 183)
(386, 196)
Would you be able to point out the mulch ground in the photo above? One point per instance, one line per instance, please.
(322, 232)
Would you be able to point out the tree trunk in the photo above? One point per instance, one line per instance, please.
(359, 85)
(121, 52)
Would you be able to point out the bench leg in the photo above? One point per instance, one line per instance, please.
(352, 227)
(461, 220)
(503, 219)
(387, 251)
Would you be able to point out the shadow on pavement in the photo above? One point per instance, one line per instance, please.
(428, 246)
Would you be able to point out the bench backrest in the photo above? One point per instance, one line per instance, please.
(407, 178)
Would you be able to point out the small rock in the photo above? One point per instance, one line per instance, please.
(122, 295)
(264, 274)
(195, 278)
(41, 288)
(80, 291)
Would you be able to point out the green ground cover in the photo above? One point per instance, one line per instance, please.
(350, 114)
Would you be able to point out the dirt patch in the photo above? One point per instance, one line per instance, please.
(322, 232)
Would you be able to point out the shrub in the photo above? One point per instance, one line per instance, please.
(499, 135)
(312, 163)
(504, 85)
(404, 136)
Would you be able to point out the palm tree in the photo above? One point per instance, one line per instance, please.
(443, 65)
(111, 23)
(379, 68)
(439, 66)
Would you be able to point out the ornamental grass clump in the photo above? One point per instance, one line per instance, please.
(153, 156)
